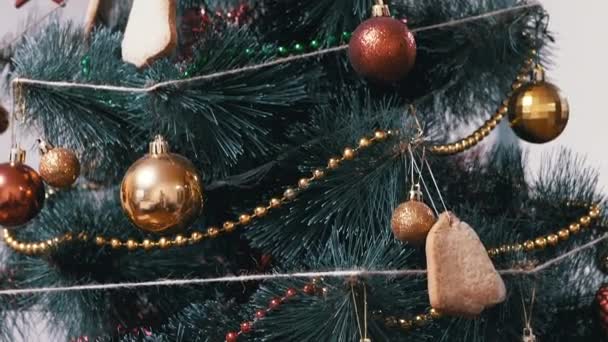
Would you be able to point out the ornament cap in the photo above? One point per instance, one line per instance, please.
(380, 9)
(44, 146)
(528, 335)
(159, 145)
(416, 193)
(538, 74)
(17, 156)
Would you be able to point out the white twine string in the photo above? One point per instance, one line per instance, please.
(278, 61)
(260, 277)
(426, 188)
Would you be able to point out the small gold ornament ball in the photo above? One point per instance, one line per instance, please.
(412, 221)
(161, 192)
(59, 167)
(538, 113)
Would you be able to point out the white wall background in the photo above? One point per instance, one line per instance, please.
(580, 70)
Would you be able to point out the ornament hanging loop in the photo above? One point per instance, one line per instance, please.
(541, 27)
(19, 101)
(416, 193)
(44, 146)
(541, 31)
(418, 138)
(16, 107)
(362, 330)
(380, 9)
(528, 333)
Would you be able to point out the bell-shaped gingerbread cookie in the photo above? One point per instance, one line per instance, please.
(462, 280)
(151, 32)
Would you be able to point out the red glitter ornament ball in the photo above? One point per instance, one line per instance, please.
(602, 301)
(21, 194)
(382, 49)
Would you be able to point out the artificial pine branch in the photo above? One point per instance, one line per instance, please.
(254, 133)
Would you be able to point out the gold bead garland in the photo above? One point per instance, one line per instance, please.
(349, 153)
(409, 323)
(485, 130)
(552, 239)
(41, 247)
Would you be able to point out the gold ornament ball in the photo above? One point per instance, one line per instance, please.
(59, 167)
(538, 113)
(412, 221)
(161, 192)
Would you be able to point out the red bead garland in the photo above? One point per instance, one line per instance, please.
(247, 326)
(260, 314)
(196, 21)
(602, 302)
(291, 292)
(232, 336)
(274, 303)
(309, 289)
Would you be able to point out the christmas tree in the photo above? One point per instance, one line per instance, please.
(290, 170)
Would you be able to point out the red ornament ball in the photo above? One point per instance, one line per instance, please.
(21, 194)
(382, 49)
(4, 122)
(232, 336)
(602, 300)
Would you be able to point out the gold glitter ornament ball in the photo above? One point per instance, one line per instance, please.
(59, 167)
(538, 113)
(161, 192)
(412, 220)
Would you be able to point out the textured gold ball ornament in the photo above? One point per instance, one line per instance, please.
(161, 192)
(59, 167)
(538, 113)
(413, 219)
